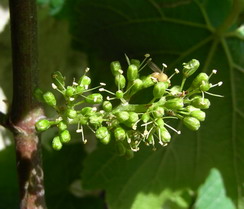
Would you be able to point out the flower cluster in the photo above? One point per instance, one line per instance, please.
(127, 123)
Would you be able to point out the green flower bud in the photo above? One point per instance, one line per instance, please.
(165, 135)
(145, 117)
(58, 80)
(87, 111)
(158, 112)
(102, 132)
(43, 125)
(106, 139)
(136, 86)
(95, 98)
(122, 116)
(83, 120)
(159, 89)
(119, 94)
(198, 114)
(70, 91)
(190, 67)
(133, 117)
(84, 81)
(161, 101)
(61, 126)
(79, 89)
(38, 94)
(115, 67)
(202, 103)
(95, 120)
(71, 113)
(175, 90)
(132, 72)
(175, 103)
(191, 123)
(120, 148)
(56, 143)
(205, 86)
(49, 99)
(135, 62)
(119, 134)
(160, 122)
(147, 81)
(120, 81)
(191, 108)
(107, 106)
(114, 123)
(65, 136)
(198, 80)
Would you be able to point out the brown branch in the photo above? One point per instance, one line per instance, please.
(25, 110)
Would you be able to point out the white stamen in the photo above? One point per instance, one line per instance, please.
(214, 71)
(150, 132)
(87, 69)
(103, 89)
(135, 124)
(145, 124)
(54, 86)
(215, 95)
(82, 134)
(94, 109)
(160, 142)
(178, 132)
(103, 84)
(129, 140)
(86, 87)
(220, 83)
(177, 71)
(164, 65)
(134, 149)
(75, 84)
(145, 133)
(125, 104)
(159, 135)
(71, 99)
(217, 84)
(147, 55)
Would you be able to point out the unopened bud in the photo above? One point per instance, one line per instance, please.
(190, 67)
(191, 123)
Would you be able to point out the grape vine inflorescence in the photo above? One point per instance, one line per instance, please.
(127, 123)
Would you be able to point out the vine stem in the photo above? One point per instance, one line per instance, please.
(25, 110)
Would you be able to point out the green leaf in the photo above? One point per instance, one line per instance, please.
(172, 32)
(9, 191)
(55, 5)
(62, 171)
(212, 194)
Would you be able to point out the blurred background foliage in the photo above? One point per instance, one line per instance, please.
(203, 169)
